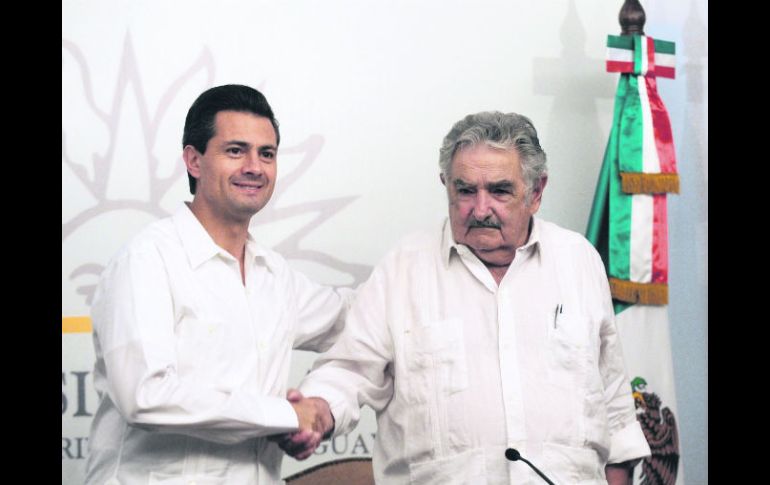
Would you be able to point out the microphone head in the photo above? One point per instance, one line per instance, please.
(512, 454)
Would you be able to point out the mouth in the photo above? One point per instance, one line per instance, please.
(494, 227)
(249, 186)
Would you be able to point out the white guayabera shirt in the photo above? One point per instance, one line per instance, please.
(459, 369)
(191, 364)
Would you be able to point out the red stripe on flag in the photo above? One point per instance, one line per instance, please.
(659, 239)
(650, 55)
(665, 71)
(620, 66)
(661, 127)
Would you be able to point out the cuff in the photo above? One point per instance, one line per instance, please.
(280, 415)
(628, 443)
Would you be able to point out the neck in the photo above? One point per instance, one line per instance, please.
(228, 234)
(498, 271)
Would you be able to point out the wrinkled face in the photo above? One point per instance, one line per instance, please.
(487, 207)
(236, 175)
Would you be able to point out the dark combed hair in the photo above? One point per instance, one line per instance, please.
(200, 126)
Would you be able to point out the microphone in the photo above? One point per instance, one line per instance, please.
(513, 455)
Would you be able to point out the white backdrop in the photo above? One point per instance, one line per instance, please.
(364, 92)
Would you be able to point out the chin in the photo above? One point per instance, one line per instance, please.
(485, 244)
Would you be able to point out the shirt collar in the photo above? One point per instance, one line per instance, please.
(449, 246)
(199, 245)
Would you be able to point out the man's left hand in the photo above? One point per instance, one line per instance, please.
(620, 473)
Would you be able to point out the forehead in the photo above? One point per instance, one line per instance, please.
(237, 125)
(483, 163)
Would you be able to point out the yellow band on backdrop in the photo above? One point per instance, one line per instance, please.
(76, 325)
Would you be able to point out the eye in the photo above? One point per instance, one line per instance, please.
(269, 154)
(234, 150)
(464, 191)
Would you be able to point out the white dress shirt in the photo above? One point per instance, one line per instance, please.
(191, 364)
(458, 369)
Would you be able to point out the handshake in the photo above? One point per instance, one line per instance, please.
(316, 423)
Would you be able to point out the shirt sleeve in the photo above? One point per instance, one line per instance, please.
(133, 319)
(321, 312)
(356, 370)
(627, 441)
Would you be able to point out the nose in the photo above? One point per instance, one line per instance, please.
(483, 207)
(252, 164)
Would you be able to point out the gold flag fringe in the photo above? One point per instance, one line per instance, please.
(643, 293)
(649, 183)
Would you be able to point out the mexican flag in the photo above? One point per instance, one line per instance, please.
(629, 228)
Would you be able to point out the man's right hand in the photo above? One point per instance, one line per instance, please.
(315, 422)
(313, 413)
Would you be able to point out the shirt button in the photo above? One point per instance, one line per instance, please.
(112, 481)
(261, 346)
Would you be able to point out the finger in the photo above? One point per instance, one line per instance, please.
(307, 451)
(293, 395)
(276, 438)
(303, 450)
(301, 437)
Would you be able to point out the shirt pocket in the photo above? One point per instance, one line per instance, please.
(466, 468)
(569, 343)
(572, 464)
(568, 357)
(158, 478)
(434, 354)
(435, 358)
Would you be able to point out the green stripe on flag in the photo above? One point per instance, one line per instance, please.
(620, 41)
(620, 203)
(639, 51)
(664, 47)
(607, 188)
(631, 125)
(627, 42)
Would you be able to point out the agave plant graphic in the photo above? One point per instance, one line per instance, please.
(91, 164)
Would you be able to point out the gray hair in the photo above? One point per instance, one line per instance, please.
(505, 131)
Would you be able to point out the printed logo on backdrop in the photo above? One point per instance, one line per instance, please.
(92, 139)
(122, 169)
(659, 427)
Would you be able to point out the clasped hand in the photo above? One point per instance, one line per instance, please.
(315, 423)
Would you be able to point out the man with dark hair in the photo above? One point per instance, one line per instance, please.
(199, 126)
(194, 322)
(494, 331)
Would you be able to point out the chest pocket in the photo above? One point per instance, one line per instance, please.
(569, 347)
(435, 358)
(434, 353)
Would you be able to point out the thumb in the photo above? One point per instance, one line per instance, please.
(293, 395)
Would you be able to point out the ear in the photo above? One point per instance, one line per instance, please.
(192, 160)
(537, 194)
(443, 180)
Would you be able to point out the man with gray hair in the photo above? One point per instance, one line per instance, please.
(495, 332)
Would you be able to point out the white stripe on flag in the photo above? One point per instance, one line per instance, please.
(650, 160)
(620, 55)
(645, 61)
(640, 268)
(645, 339)
(665, 60)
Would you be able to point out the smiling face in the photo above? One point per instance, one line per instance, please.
(236, 174)
(488, 207)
